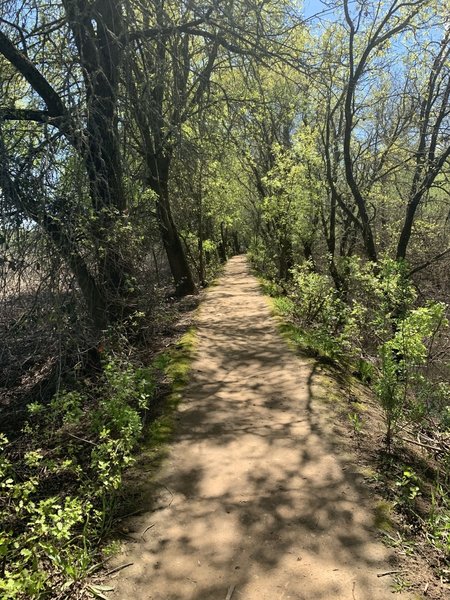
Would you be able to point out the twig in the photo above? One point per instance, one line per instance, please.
(390, 537)
(132, 514)
(230, 592)
(81, 439)
(118, 569)
(427, 446)
(439, 440)
(146, 529)
(388, 573)
(429, 262)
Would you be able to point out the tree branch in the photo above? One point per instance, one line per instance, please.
(34, 77)
(429, 262)
(25, 114)
(153, 32)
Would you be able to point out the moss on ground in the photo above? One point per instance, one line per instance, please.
(174, 366)
(383, 516)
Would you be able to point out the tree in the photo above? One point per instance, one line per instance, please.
(87, 118)
(170, 78)
(362, 45)
(433, 145)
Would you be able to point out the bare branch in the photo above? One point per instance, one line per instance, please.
(25, 114)
(429, 262)
(34, 77)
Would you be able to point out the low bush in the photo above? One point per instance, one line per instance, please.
(59, 480)
(375, 327)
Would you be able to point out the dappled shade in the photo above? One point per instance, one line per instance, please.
(252, 494)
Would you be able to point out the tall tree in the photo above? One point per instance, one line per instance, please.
(369, 30)
(88, 120)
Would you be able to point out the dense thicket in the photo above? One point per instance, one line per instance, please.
(144, 141)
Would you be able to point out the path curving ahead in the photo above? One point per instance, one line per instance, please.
(254, 503)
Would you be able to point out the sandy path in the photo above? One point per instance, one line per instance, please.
(251, 496)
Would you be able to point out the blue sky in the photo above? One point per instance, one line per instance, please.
(312, 7)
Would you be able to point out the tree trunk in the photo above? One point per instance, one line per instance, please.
(96, 29)
(201, 253)
(92, 293)
(367, 234)
(405, 234)
(222, 247)
(176, 255)
(179, 266)
(286, 259)
(101, 55)
(236, 246)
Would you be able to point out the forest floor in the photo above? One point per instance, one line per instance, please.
(256, 498)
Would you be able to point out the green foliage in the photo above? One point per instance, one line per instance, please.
(290, 202)
(243, 148)
(263, 260)
(273, 289)
(408, 486)
(331, 326)
(284, 306)
(342, 324)
(67, 406)
(40, 536)
(48, 537)
(356, 422)
(365, 370)
(438, 523)
(377, 303)
(403, 358)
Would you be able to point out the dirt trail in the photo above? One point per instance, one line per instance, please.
(254, 504)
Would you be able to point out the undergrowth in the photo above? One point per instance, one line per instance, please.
(415, 475)
(60, 480)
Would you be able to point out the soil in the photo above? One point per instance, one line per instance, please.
(254, 500)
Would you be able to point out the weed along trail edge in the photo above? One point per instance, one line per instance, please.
(254, 502)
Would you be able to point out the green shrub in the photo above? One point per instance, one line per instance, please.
(263, 260)
(331, 326)
(49, 530)
(438, 522)
(401, 377)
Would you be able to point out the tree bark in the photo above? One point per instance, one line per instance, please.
(101, 55)
(286, 259)
(222, 246)
(159, 182)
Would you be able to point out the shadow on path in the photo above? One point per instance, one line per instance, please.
(252, 495)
